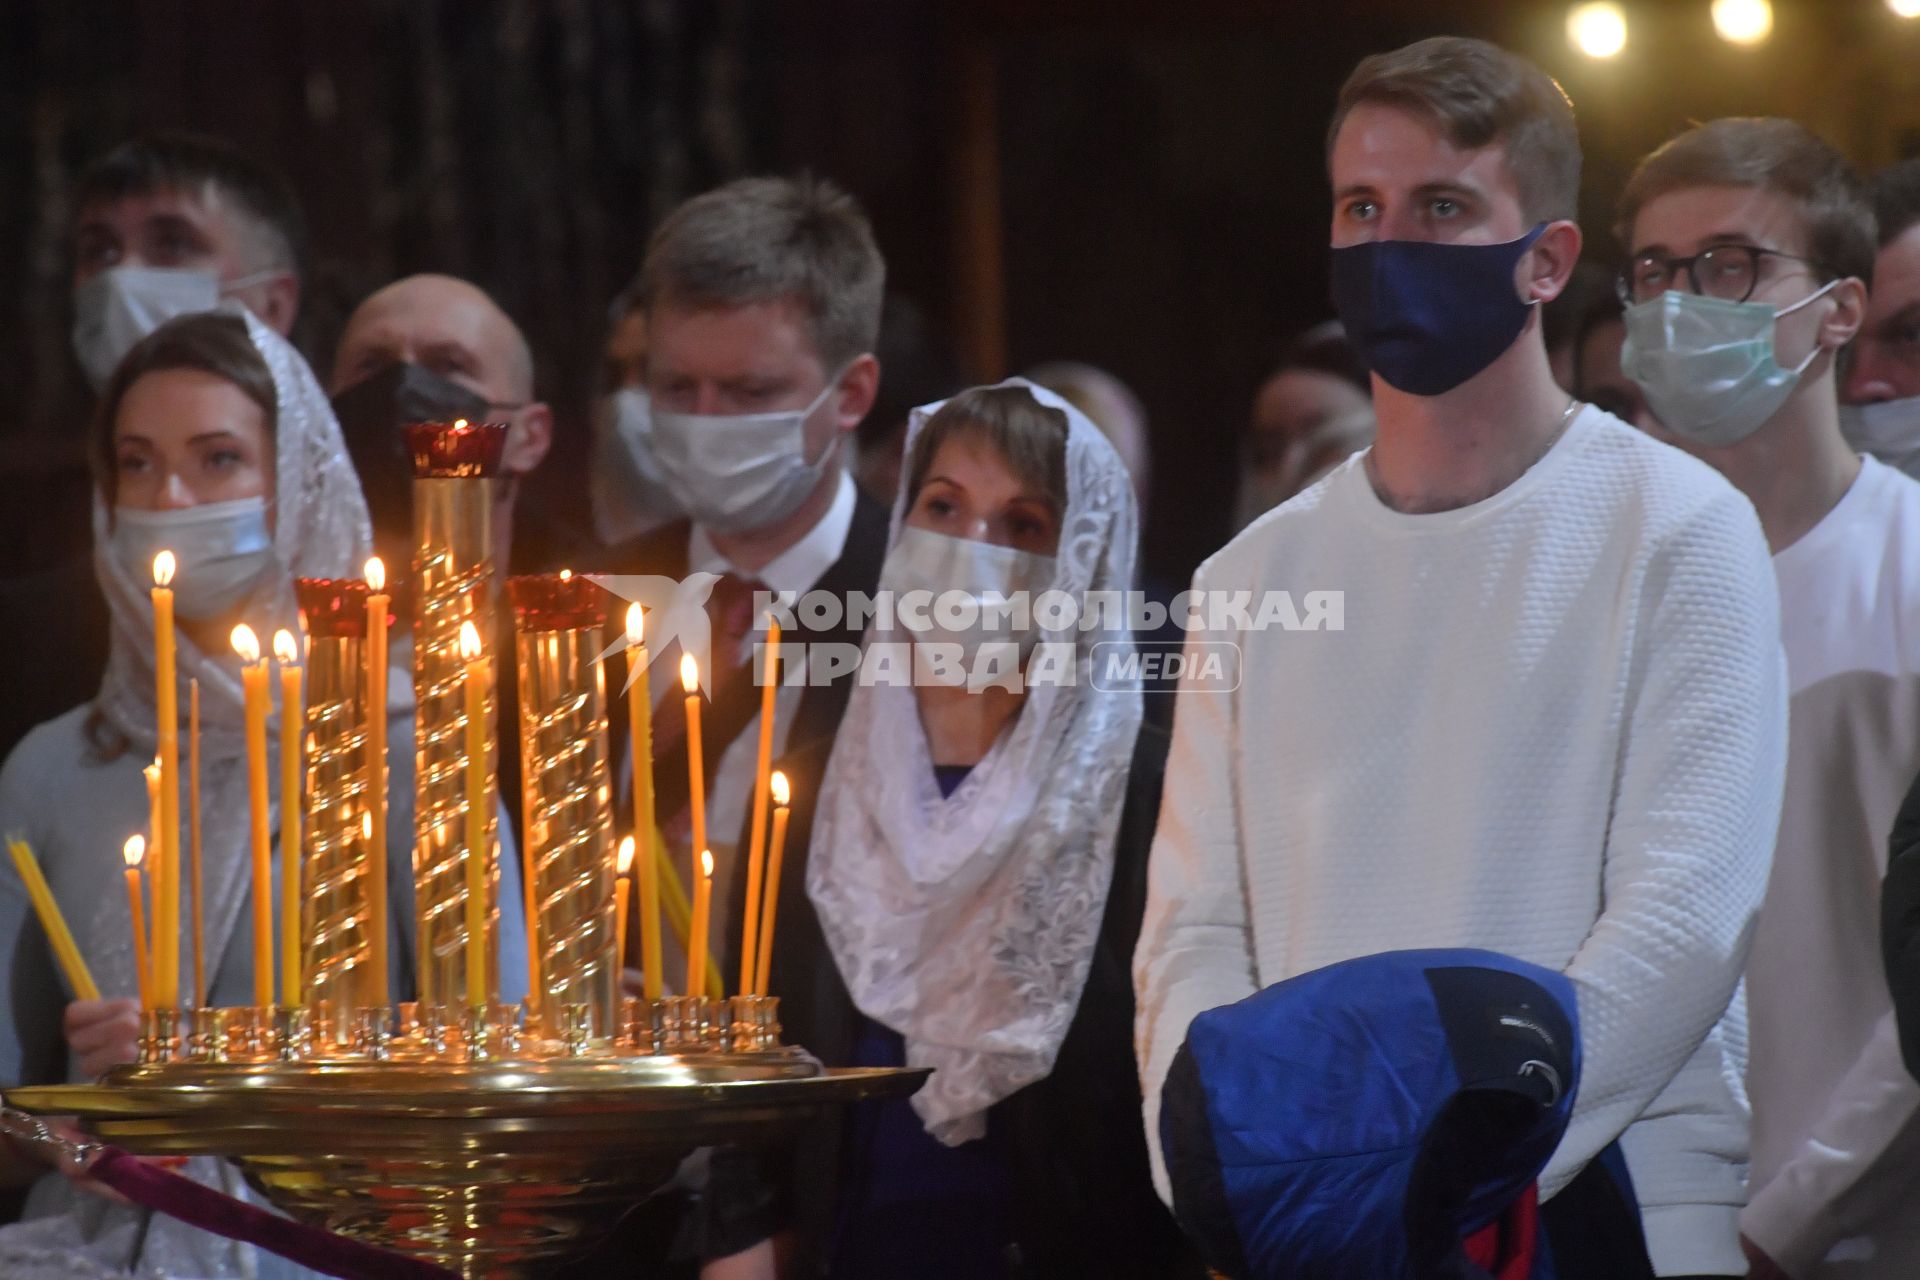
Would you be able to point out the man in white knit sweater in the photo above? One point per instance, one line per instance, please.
(1553, 723)
(1756, 229)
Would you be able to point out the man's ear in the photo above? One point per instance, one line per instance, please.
(1550, 263)
(859, 386)
(282, 302)
(1849, 312)
(529, 436)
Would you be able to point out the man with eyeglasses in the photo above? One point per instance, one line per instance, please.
(1750, 242)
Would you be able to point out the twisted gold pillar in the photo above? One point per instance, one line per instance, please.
(453, 573)
(339, 858)
(568, 798)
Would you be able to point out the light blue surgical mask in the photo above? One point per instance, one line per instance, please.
(736, 472)
(117, 308)
(969, 584)
(1707, 366)
(1888, 430)
(222, 550)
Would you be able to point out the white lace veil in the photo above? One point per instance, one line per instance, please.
(968, 923)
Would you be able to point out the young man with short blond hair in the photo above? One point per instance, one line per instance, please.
(1554, 723)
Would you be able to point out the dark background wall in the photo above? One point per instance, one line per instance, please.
(1133, 183)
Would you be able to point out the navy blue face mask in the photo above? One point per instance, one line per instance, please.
(1426, 316)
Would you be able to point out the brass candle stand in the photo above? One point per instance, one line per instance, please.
(491, 1139)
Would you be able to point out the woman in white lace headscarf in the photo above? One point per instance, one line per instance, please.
(215, 441)
(974, 876)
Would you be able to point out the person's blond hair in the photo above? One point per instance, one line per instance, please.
(768, 239)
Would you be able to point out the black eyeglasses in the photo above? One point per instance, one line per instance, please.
(1729, 272)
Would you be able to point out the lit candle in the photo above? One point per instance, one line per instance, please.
(621, 888)
(376, 823)
(154, 818)
(293, 720)
(135, 849)
(253, 683)
(702, 910)
(52, 923)
(200, 984)
(756, 841)
(476, 691)
(696, 768)
(782, 795)
(166, 853)
(640, 712)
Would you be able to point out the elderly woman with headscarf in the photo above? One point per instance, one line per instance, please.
(214, 442)
(969, 896)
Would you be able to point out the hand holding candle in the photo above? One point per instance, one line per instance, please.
(135, 849)
(253, 684)
(640, 713)
(376, 824)
(782, 796)
(622, 864)
(476, 707)
(293, 721)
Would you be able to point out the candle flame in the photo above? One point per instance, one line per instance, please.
(636, 624)
(376, 575)
(625, 857)
(163, 567)
(246, 644)
(366, 825)
(689, 673)
(459, 424)
(285, 648)
(706, 863)
(469, 642)
(782, 793)
(566, 575)
(136, 849)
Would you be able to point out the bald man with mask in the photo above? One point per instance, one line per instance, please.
(435, 348)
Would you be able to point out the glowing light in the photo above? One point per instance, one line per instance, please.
(706, 863)
(469, 642)
(376, 575)
(1904, 8)
(782, 793)
(246, 644)
(566, 575)
(625, 856)
(459, 424)
(689, 673)
(135, 849)
(366, 825)
(285, 647)
(1743, 21)
(636, 624)
(163, 567)
(1598, 30)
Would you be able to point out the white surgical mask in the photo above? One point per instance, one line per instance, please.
(736, 472)
(967, 580)
(221, 549)
(117, 308)
(1707, 365)
(1888, 430)
(631, 493)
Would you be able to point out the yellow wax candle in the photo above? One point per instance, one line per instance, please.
(136, 849)
(253, 684)
(152, 774)
(476, 695)
(640, 713)
(52, 923)
(696, 767)
(782, 795)
(702, 911)
(623, 864)
(376, 825)
(756, 841)
(293, 722)
(166, 865)
(200, 983)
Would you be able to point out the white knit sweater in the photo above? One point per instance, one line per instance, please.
(1554, 726)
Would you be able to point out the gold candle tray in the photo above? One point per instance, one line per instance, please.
(498, 1168)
